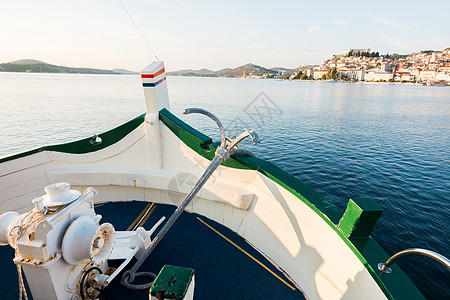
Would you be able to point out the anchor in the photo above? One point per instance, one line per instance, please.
(226, 148)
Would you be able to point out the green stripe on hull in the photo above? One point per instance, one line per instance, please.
(395, 286)
(85, 146)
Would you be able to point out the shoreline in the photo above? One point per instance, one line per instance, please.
(292, 80)
(321, 81)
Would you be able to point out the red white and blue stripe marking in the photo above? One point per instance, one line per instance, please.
(152, 80)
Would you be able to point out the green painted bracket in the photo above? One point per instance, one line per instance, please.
(172, 282)
(360, 217)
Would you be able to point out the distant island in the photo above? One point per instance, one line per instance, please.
(36, 66)
(244, 71)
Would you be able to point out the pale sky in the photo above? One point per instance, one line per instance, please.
(215, 34)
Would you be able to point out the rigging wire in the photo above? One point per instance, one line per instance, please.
(138, 29)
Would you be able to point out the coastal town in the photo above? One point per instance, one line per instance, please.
(426, 67)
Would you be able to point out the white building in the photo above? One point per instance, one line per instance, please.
(319, 73)
(357, 74)
(443, 76)
(427, 75)
(404, 76)
(384, 67)
(408, 77)
(378, 76)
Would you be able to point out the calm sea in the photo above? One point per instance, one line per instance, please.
(390, 143)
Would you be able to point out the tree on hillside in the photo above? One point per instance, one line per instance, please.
(331, 73)
(299, 75)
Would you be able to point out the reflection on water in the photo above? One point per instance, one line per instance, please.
(386, 142)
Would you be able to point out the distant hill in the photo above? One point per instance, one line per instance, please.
(125, 72)
(282, 70)
(26, 62)
(246, 70)
(306, 67)
(295, 70)
(223, 70)
(187, 72)
(36, 66)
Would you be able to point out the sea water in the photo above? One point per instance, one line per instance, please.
(387, 142)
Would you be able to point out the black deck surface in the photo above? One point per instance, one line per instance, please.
(222, 270)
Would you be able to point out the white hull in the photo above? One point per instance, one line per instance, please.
(161, 168)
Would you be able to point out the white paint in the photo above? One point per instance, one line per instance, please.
(133, 143)
(7, 221)
(156, 98)
(38, 247)
(85, 239)
(161, 179)
(54, 269)
(23, 163)
(153, 138)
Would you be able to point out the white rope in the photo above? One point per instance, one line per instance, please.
(138, 30)
(22, 290)
(19, 273)
(31, 218)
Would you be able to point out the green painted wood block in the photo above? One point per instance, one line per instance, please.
(172, 282)
(360, 217)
